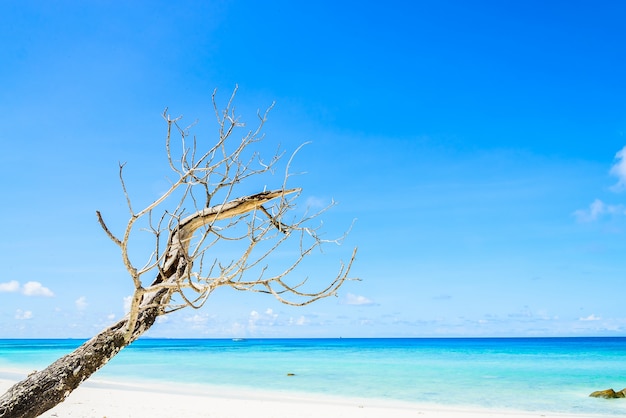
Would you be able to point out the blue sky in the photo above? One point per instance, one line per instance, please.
(479, 146)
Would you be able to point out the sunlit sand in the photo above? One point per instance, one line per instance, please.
(100, 399)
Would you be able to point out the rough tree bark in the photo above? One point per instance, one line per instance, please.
(188, 239)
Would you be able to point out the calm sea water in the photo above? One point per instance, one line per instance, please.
(533, 374)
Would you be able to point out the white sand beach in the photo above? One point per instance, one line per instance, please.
(97, 399)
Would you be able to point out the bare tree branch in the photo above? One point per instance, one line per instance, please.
(189, 223)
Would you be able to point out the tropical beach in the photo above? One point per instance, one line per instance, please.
(114, 400)
(338, 377)
(313, 209)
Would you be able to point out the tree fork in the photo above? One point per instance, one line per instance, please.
(44, 389)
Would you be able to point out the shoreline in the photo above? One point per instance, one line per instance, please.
(99, 398)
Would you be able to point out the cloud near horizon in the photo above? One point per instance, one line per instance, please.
(591, 317)
(8, 287)
(128, 301)
(357, 300)
(36, 289)
(267, 318)
(21, 315)
(29, 289)
(197, 319)
(81, 303)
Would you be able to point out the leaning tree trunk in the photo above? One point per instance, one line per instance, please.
(44, 389)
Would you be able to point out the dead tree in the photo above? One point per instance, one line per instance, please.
(184, 265)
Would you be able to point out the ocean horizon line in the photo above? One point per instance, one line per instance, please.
(578, 337)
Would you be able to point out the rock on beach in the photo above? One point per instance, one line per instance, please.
(608, 394)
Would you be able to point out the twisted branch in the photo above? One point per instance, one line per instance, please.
(255, 229)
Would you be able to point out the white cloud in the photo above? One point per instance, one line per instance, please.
(587, 215)
(12, 286)
(20, 314)
(197, 319)
(36, 289)
(267, 318)
(128, 300)
(81, 303)
(597, 209)
(352, 299)
(253, 318)
(199, 322)
(591, 317)
(619, 170)
(111, 317)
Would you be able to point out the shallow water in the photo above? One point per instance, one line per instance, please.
(532, 374)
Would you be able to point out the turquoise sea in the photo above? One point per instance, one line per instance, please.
(532, 374)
